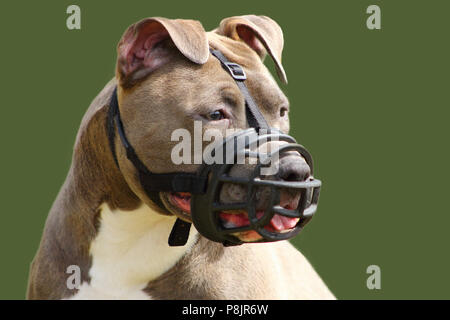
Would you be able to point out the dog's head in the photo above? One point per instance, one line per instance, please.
(167, 80)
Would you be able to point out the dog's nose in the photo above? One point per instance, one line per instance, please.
(293, 168)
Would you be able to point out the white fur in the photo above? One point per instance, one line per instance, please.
(130, 250)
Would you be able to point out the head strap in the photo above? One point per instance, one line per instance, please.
(255, 118)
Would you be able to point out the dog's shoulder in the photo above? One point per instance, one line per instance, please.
(100, 102)
(254, 271)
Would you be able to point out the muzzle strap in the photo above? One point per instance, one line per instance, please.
(180, 233)
(255, 118)
(152, 182)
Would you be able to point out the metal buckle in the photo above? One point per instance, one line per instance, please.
(235, 70)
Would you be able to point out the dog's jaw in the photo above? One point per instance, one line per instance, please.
(129, 251)
(179, 204)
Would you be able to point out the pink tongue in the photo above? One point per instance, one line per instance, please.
(278, 222)
(237, 219)
(183, 203)
(281, 223)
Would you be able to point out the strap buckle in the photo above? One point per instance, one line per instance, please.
(235, 70)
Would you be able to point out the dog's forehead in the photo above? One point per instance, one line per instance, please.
(190, 85)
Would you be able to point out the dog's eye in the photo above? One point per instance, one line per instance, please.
(216, 115)
(283, 112)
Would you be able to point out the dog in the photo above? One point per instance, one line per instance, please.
(105, 224)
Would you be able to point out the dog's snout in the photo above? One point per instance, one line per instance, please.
(293, 168)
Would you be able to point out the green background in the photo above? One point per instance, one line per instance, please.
(371, 106)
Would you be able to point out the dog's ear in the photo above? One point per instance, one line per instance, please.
(260, 33)
(144, 46)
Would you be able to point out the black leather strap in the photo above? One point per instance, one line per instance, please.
(255, 118)
(180, 233)
(151, 182)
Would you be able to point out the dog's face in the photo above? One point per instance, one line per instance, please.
(168, 80)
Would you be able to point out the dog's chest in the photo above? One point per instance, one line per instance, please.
(130, 250)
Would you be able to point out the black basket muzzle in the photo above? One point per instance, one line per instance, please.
(206, 208)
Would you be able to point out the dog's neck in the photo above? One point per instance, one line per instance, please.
(93, 164)
(130, 247)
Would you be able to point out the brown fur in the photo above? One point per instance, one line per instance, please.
(71, 224)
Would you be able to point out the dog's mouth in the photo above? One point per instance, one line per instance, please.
(181, 202)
